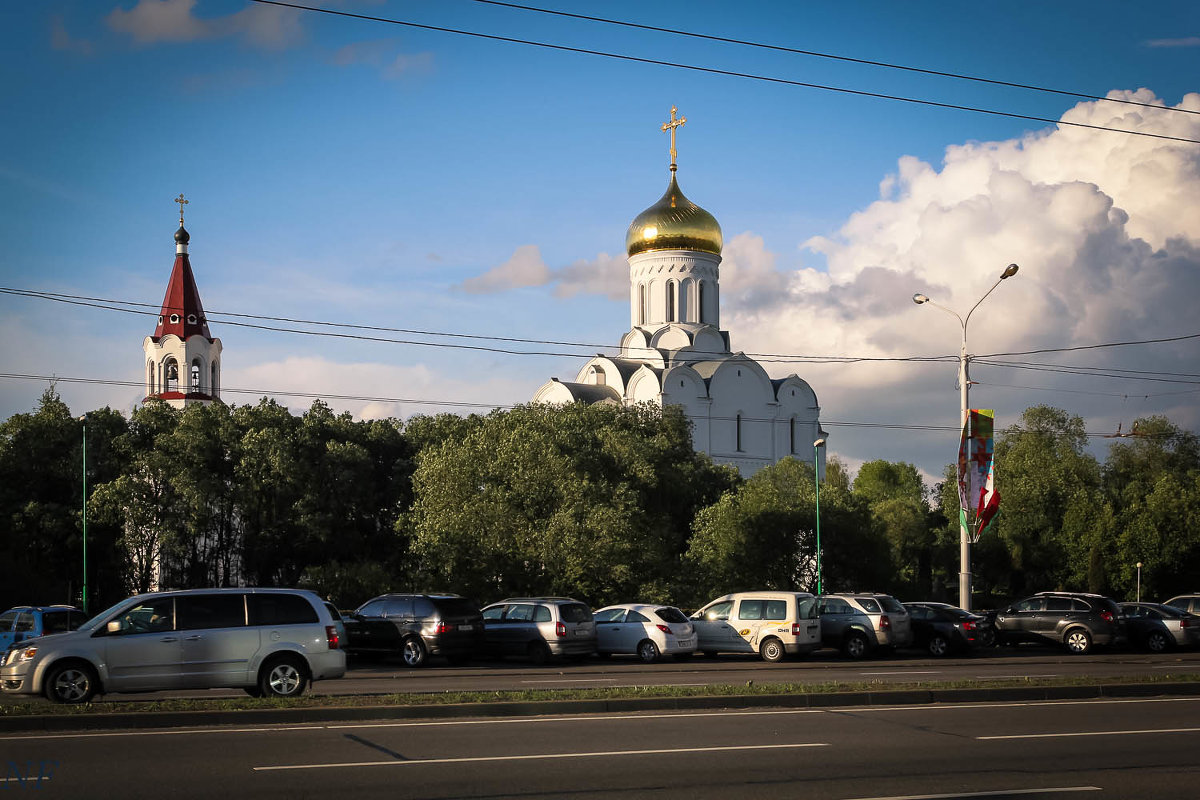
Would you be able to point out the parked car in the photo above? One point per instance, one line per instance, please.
(265, 641)
(860, 623)
(1074, 620)
(339, 623)
(539, 628)
(416, 626)
(29, 622)
(1185, 602)
(649, 631)
(940, 628)
(1160, 627)
(773, 624)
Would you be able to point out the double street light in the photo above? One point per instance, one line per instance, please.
(964, 387)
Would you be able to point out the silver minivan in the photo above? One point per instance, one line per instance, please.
(772, 624)
(270, 642)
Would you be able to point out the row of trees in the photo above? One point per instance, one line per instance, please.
(603, 503)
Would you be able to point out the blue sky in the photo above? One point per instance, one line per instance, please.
(375, 174)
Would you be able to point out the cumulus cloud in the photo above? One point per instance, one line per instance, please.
(61, 39)
(1187, 41)
(1105, 227)
(379, 390)
(153, 21)
(381, 54)
(603, 275)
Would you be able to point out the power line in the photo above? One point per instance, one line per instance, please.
(834, 57)
(109, 304)
(728, 73)
(1094, 346)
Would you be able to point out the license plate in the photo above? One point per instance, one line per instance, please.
(581, 633)
(466, 627)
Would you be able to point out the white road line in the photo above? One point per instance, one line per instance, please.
(158, 732)
(575, 680)
(996, 793)
(588, 718)
(904, 672)
(1002, 677)
(1088, 733)
(536, 756)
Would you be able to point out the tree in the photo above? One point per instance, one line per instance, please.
(896, 497)
(590, 501)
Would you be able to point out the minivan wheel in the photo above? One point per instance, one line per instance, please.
(283, 677)
(538, 653)
(772, 650)
(1078, 641)
(413, 652)
(647, 651)
(938, 646)
(73, 682)
(1157, 642)
(855, 646)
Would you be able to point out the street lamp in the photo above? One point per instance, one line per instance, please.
(84, 596)
(1139, 582)
(964, 388)
(817, 445)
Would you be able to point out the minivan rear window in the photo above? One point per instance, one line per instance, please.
(574, 612)
(869, 605)
(281, 609)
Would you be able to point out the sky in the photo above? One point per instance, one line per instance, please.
(462, 190)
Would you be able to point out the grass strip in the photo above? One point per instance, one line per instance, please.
(22, 708)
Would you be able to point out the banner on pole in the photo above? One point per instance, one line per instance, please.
(976, 470)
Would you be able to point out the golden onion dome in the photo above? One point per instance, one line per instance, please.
(674, 223)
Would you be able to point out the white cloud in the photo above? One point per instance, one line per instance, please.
(381, 54)
(152, 21)
(604, 275)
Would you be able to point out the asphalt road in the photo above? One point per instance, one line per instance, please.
(1140, 748)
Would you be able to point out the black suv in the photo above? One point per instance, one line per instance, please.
(416, 626)
(1076, 621)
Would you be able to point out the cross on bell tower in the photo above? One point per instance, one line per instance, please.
(671, 126)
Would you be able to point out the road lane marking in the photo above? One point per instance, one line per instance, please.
(1002, 677)
(159, 732)
(1088, 733)
(536, 756)
(904, 672)
(574, 680)
(995, 793)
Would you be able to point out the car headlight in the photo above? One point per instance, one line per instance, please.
(25, 654)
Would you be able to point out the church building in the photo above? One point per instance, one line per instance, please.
(676, 353)
(183, 360)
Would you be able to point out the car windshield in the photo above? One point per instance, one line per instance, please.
(574, 612)
(97, 620)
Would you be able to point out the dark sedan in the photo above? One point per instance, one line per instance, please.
(1159, 628)
(939, 628)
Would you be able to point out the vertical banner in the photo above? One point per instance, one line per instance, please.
(976, 476)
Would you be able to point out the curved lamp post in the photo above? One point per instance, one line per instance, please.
(817, 445)
(964, 388)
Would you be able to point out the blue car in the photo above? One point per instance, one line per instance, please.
(27, 622)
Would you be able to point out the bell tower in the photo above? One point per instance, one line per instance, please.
(182, 359)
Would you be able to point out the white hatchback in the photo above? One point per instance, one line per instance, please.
(647, 630)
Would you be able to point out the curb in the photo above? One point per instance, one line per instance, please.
(297, 716)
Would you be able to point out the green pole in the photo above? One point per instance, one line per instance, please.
(85, 572)
(817, 445)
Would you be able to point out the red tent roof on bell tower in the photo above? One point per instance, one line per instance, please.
(182, 313)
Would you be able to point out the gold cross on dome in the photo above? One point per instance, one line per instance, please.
(182, 203)
(671, 126)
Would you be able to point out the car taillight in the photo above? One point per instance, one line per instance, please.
(1107, 616)
(969, 625)
(663, 628)
(1183, 623)
(885, 623)
(560, 629)
(443, 627)
(331, 636)
(795, 629)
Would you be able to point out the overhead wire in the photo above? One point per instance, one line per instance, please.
(725, 72)
(834, 57)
